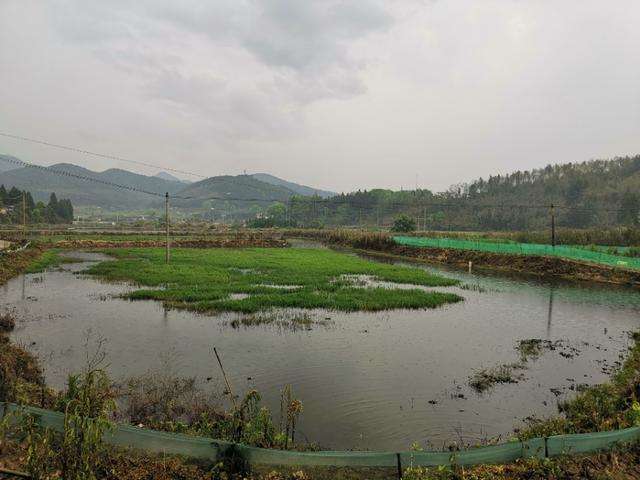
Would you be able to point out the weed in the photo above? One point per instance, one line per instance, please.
(483, 380)
(48, 259)
(282, 319)
(474, 287)
(7, 323)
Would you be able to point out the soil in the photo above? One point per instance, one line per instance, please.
(13, 263)
(530, 264)
(231, 242)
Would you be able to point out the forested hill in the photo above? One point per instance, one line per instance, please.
(587, 194)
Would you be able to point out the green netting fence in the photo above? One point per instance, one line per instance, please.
(382, 462)
(563, 251)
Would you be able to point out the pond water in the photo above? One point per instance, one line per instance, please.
(367, 380)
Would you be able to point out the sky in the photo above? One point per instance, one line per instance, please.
(341, 95)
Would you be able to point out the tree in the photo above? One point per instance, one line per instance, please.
(629, 208)
(404, 223)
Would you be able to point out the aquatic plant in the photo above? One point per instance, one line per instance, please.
(209, 280)
(7, 323)
(484, 379)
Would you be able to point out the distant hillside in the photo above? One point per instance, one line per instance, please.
(236, 196)
(85, 193)
(295, 187)
(232, 194)
(6, 163)
(595, 193)
(169, 177)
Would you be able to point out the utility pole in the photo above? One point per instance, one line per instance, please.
(553, 226)
(425, 219)
(24, 214)
(166, 224)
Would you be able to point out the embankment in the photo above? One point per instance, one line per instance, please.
(382, 243)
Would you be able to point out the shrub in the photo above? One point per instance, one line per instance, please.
(404, 223)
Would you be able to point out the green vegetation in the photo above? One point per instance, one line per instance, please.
(16, 262)
(609, 406)
(285, 320)
(593, 194)
(619, 464)
(403, 223)
(11, 208)
(91, 403)
(562, 251)
(590, 238)
(483, 380)
(48, 259)
(206, 279)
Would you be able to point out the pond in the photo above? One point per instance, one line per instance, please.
(378, 381)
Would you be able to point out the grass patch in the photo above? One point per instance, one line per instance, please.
(48, 259)
(206, 279)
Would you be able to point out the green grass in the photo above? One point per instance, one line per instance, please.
(48, 259)
(205, 279)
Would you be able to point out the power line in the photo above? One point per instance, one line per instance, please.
(294, 198)
(82, 177)
(95, 154)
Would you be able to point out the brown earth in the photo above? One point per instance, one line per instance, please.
(231, 242)
(13, 263)
(383, 244)
(529, 264)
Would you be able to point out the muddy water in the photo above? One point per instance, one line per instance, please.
(370, 380)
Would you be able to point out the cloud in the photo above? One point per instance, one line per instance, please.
(343, 94)
(231, 58)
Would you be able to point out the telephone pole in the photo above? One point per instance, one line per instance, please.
(424, 224)
(553, 226)
(24, 214)
(166, 224)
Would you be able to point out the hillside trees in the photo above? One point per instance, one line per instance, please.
(11, 208)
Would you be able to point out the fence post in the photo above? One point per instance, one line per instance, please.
(399, 466)
(546, 447)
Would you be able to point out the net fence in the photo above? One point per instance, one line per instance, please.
(562, 251)
(324, 464)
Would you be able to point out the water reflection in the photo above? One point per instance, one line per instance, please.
(373, 380)
(550, 311)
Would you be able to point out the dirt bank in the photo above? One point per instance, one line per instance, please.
(530, 264)
(230, 242)
(383, 244)
(13, 263)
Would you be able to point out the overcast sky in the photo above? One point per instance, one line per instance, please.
(336, 94)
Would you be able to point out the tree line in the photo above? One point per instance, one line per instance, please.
(597, 193)
(12, 212)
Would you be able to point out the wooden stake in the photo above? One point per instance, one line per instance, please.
(226, 380)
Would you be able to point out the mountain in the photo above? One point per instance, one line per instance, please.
(7, 162)
(169, 177)
(242, 191)
(66, 184)
(295, 187)
(235, 195)
(595, 193)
